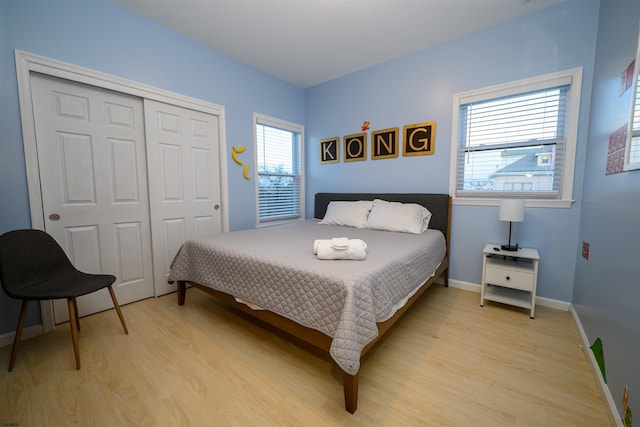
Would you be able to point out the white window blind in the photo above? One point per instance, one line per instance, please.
(279, 167)
(513, 144)
(516, 139)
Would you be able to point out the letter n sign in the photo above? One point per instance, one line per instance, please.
(329, 150)
(355, 147)
(419, 139)
(384, 144)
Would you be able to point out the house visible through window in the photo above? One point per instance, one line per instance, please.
(279, 169)
(517, 139)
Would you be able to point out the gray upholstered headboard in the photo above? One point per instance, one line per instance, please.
(438, 204)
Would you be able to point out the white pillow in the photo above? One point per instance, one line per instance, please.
(395, 216)
(351, 214)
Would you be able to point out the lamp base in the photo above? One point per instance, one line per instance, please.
(509, 248)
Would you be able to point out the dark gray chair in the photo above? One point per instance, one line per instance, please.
(34, 267)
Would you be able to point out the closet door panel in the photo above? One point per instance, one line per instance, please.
(184, 181)
(93, 179)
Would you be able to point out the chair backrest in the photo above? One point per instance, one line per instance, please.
(29, 257)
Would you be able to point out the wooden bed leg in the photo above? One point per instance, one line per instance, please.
(446, 278)
(350, 383)
(182, 291)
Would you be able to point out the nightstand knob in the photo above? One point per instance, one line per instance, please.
(508, 278)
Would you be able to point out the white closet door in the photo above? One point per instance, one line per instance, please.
(91, 155)
(184, 181)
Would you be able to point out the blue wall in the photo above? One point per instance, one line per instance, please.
(607, 286)
(102, 36)
(420, 87)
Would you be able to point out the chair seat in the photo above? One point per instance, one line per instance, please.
(65, 284)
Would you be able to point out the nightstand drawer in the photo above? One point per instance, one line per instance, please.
(510, 278)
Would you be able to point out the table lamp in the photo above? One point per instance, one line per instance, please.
(511, 210)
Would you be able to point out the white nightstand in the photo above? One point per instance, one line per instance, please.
(510, 277)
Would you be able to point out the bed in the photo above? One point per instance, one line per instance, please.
(341, 307)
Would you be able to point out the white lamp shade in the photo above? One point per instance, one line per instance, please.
(511, 210)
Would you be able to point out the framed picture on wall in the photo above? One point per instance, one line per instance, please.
(330, 150)
(384, 144)
(626, 79)
(419, 139)
(355, 147)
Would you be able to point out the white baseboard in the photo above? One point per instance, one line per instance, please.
(553, 303)
(467, 286)
(541, 301)
(614, 417)
(30, 332)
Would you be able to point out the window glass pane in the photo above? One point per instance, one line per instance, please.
(513, 143)
(276, 150)
(535, 116)
(634, 149)
(278, 196)
(497, 170)
(279, 181)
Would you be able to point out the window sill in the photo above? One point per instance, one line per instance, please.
(531, 203)
(278, 222)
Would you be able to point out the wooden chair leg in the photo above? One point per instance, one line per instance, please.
(73, 309)
(75, 306)
(16, 340)
(117, 306)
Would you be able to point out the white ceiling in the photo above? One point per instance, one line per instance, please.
(307, 42)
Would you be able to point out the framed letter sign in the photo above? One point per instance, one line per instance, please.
(355, 147)
(329, 150)
(419, 139)
(384, 144)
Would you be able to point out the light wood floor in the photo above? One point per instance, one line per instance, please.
(448, 362)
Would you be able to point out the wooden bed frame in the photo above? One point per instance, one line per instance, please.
(440, 207)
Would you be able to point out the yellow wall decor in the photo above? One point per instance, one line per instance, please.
(234, 156)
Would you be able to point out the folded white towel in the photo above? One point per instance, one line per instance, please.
(340, 243)
(356, 250)
(337, 243)
(317, 242)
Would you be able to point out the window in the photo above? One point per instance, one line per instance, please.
(633, 157)
(632, 154)
(279, 169)
(516, 140)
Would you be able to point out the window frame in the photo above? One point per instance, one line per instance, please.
(261, 119)
(628, 165)
(574, 78)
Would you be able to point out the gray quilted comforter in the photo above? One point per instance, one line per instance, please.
(274, 268)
